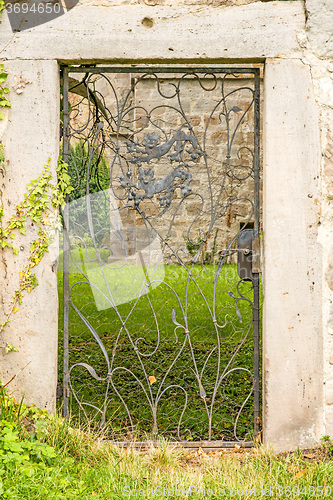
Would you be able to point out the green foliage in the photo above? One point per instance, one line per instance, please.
(18, 413)
(105, 472)
(192, 247)
(10, 410)
(39, 208)
(21, 439)
(43, 457)
(4, 90)
(63, 187)
(78, 161)
(14, 451)
(327, 445)
(10, 348)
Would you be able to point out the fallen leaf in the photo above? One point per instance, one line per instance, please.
(309, 455)
(301, 473)
(152, 379)
(258, 437)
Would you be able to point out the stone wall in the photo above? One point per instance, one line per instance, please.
(33, 329)
(293, 39)
(225, 149)
(154, 3)
(317, 42)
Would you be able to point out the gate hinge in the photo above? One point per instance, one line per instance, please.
(256, 264)
(61, 392)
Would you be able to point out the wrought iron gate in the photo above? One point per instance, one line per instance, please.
(160, 251)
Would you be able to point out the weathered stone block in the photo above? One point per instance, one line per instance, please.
(293, 350)
(30, 138)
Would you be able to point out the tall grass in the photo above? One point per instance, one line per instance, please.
(90, 468)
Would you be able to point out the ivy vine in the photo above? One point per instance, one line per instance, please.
(39, 208)
(4, 90)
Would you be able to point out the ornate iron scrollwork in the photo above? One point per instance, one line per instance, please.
(168, 179)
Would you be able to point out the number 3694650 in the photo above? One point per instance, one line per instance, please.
(35, 8)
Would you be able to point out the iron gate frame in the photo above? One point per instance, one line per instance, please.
(151, 69)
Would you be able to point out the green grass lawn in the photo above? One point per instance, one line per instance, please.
(43, 457)
(164, 380)
(89, 469)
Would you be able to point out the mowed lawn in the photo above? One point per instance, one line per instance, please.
(175, 372)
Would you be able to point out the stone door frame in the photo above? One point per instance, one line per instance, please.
(267, 33)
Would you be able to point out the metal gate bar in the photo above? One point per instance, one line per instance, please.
(255, 278)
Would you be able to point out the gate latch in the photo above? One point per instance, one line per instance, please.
(248, 255)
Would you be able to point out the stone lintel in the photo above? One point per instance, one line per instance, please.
(188, 33)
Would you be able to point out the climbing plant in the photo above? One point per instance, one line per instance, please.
(4, 90)
(39, 207)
